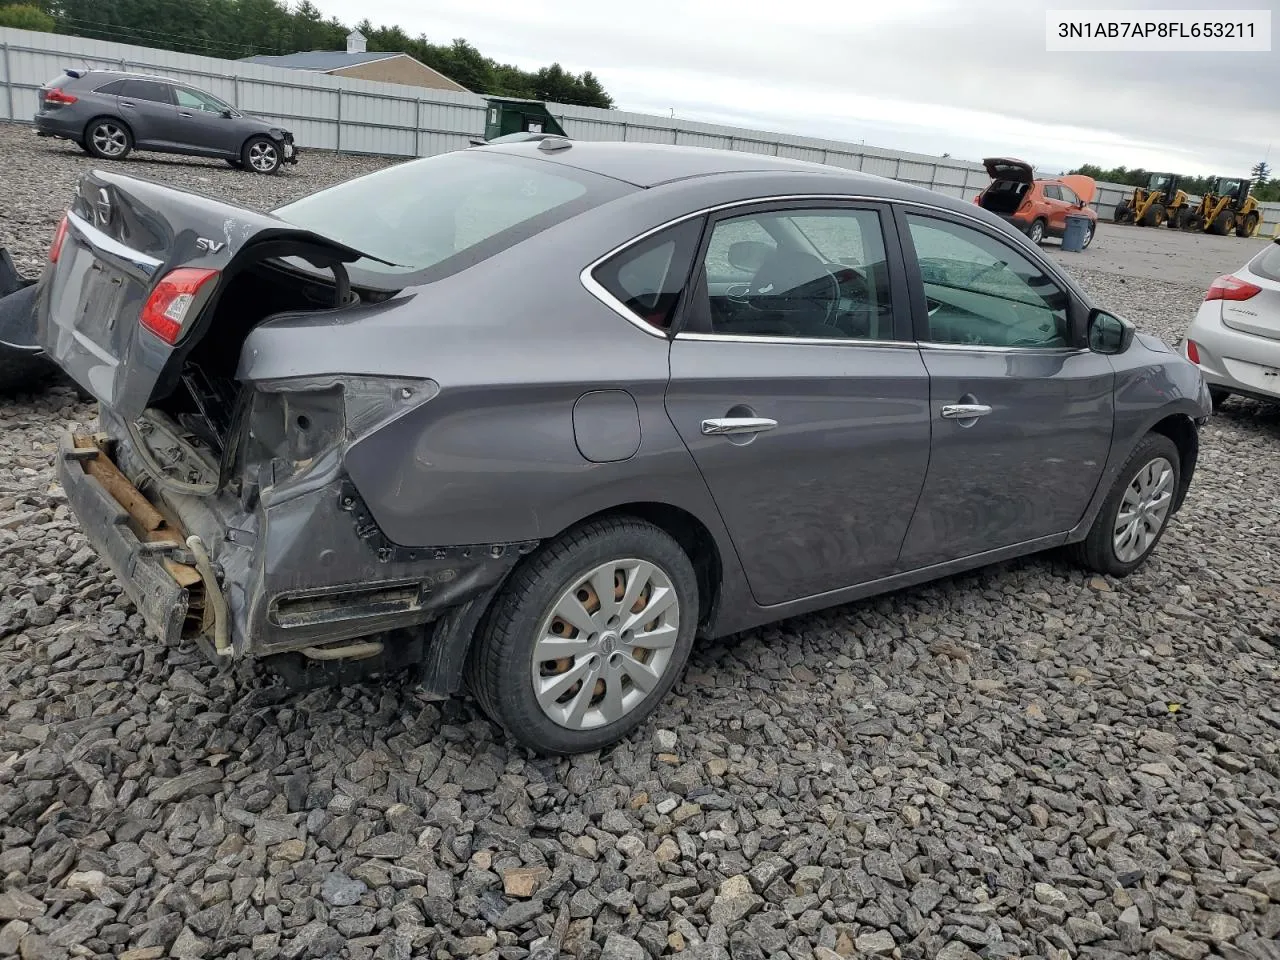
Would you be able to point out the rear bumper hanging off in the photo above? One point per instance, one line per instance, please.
(303, 577)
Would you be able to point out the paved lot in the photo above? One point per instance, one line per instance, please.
(1157, 253)
(1018, 762)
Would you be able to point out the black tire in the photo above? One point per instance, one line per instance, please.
(1097, 552)
(1222, 224)
(1247, 225)
(500, 662)
(1219, 396)
(22, 371)
(1178, 221)
(261, 155)
(1194, 224)
(1122, 213)
(1089, 232)
(108, 138)
(1035, 232)
(1154, 216)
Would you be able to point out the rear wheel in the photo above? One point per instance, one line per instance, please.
(1137, 510)
(1122, 213)
(108, 138)
(1194, 224)
(1035, 232)
(1248, 226)
(261, 155)
(587, 637)
(1219, 396)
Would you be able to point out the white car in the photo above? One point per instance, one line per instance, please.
(1235, 337)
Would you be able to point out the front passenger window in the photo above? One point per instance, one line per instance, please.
(982, 292)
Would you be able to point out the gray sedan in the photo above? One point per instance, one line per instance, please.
(111, 114)
(533, 417)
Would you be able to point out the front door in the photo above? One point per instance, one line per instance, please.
(1022, 410)
(798, 391)
(204, 125)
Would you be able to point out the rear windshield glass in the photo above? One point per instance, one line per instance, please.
(1267, 263)
(434, 216)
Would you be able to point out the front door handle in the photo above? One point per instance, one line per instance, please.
(187, 115)
(964, 411)
(730, 426)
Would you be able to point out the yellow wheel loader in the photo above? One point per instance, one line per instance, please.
(1227, 207)
(1159, 202)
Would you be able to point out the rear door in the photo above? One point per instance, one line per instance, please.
(1022, 410)
(796, 388)
(1056, 207)
(149, 109)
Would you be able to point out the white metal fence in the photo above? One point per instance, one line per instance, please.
(364, 116)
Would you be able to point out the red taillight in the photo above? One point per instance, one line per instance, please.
(170, 302)
(57, 96)
(59, 235)
(1193, 352)
(1231, 288)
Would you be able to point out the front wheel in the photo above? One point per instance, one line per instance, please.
(261, 155)
(1136, 512)
(1088, 236)
(587, 637)
(1248, 226)
(1035, 232)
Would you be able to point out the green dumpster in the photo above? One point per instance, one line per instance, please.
(507, 115)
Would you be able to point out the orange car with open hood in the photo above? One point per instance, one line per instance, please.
(1039, 208)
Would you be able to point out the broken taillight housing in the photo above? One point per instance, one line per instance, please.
(59, 235)
(166, 311)
(1231, 288)
(294, 423)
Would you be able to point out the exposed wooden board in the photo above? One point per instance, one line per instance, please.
(117, 484)
(184, 575)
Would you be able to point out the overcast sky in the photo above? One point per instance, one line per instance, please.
(966, 77)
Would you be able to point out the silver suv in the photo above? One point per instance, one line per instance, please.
(111, 114)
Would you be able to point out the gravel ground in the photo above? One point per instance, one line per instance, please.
(1018, 762)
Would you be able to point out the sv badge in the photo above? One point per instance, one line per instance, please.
(208, 246)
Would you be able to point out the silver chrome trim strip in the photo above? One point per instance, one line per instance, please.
(984, 348)
(811, 341)
(113, 247)
(594, 288)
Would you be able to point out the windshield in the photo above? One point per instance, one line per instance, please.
(435, 215)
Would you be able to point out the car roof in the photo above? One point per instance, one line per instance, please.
(121, 75)
(649, 165)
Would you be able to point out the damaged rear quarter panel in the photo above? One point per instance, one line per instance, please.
(513, 343)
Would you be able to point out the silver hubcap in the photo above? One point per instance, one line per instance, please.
(605, 644)
(1037, 232)
(262, 156)
(1143, 510)
(1088, 235)
(109, 139)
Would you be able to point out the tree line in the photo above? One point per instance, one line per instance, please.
(232, 29)
(1264, 188)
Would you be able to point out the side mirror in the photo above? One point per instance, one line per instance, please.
(1109, 334)
(228, 114)
(748, 256)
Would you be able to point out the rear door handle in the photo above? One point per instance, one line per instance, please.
(127, 106)
(729, 426)
(187, 115)
(964, 411)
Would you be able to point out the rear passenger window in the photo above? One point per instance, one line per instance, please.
(1053, 191)
(147, 90)
(111, 89)
(1267, 263)
(649, 277)
(809, 273)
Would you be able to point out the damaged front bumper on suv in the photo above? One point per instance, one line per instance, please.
(294, 570)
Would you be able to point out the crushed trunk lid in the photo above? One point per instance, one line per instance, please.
(121, 238)
(1006, 168)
